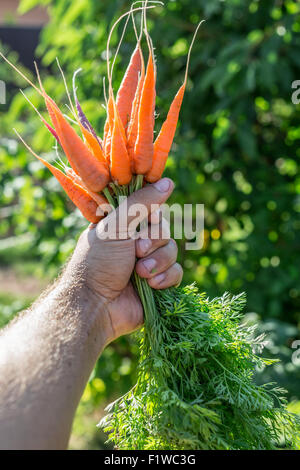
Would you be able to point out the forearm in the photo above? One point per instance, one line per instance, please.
(46, 358)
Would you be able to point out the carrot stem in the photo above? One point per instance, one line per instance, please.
(139, 182)
(109, 197)
(132, 10)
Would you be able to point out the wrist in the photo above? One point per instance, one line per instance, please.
(86, 311)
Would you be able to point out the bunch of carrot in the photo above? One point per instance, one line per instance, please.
(127, 147)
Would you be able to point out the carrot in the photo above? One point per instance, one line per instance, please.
(164, 140)
(94, 173)
(98, 198)
(50, 128)
(105, 132)
(109, 70)
(115, 136)
(126, 92)
(78, 195)
(46, 97)
(143, 149)
(120, 166)
(51, 106)
(113, 111)
(107, 147)
(132, 130)
(74, 177)
(106, 124)
(40, 91)
(81, 116)
(93, 142)
(109, 125)
(94, 145)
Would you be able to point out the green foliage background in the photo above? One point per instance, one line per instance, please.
(236, 150)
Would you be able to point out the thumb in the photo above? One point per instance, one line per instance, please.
(137, 207)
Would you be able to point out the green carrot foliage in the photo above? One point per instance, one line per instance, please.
(195, 388)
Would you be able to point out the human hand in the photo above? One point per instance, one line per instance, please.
(105, 265)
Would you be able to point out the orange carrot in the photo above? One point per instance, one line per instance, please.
(51, 105)
(93, 144)
(143, 150)
(78, 195)
(94, 173)
(41, 118)
(108, 128)
(109, 124)
(120, 166)
(111, 111)
(126, 93)
(132, 130)
(107, 147)
(98, 198)
(164, 140)
(105, 132)
(118, 126)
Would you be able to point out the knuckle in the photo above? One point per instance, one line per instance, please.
(173, 246)
(151, 283)
(179, 270)
(165, 229)
(139, 267)
(155, 233)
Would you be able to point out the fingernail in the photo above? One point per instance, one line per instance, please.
(159, 278)
(163, 185)
(145, 244)
(149, 264)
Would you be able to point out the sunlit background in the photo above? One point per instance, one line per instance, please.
(236, 150)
